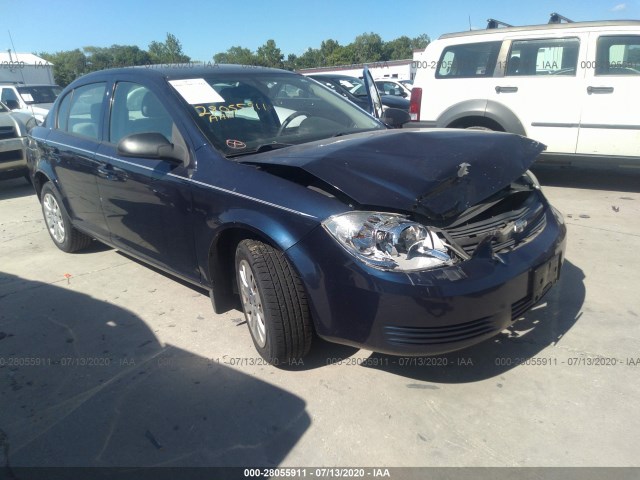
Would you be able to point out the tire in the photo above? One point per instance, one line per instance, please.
(58, 223)
(478, 127)
(274, 303)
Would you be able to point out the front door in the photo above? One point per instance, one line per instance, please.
(147, 202)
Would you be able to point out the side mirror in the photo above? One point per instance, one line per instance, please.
(150, 145)
(395, 118)
(12, 104)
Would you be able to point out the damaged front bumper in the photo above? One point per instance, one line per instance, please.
(426, 312)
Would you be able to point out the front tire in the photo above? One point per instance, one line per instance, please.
(58, 223)
(274, 303)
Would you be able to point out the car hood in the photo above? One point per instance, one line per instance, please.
(436, 173)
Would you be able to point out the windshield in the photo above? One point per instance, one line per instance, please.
(39, 94)
(354, 86)
(258, 111)
(3, 108)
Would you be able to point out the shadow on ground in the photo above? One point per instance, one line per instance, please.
(612, 178)
(86, 383)
(541, 327)
(15, 188)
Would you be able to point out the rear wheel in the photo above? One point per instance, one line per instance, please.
(63, 234)
(274, 302)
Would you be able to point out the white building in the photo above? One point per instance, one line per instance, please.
(396, 69)
(25, 68)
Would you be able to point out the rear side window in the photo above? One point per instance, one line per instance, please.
(468, 61)
(79, 112)
(557, 56)
(618, 55)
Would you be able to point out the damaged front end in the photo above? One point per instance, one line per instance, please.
(396, 242)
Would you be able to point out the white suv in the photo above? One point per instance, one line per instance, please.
(572, 86)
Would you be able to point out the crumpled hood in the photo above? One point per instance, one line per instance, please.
(436, 173)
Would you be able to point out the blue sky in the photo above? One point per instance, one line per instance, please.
(208, 27)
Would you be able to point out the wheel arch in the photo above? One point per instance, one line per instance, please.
(221, 254)
(483, 113)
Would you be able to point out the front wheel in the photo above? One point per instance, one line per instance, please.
(63, 234)
(274, 303)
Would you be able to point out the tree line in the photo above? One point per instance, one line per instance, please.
(366, 48)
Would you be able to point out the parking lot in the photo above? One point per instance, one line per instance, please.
(107, 362)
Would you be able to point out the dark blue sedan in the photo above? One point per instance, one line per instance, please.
(284, 199)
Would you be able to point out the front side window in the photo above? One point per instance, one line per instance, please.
(85, 108)
(250, 112)
(136, 109)
(618, 55)
(558, 56)
(8, 95)
(468, 60)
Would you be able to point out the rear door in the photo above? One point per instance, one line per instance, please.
(540, 83)
(610, 122)
(71, 148)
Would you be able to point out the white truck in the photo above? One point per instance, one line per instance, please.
(27, 84)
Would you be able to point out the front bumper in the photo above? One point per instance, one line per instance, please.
(13, 161)
(429, 312)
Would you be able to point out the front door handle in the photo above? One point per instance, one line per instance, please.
(106, 171)
(591, 90)
(500, 89)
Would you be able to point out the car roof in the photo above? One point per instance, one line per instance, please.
(181, 71)
(544, 27)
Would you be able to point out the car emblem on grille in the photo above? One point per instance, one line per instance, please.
(236, 144)
(519, 225)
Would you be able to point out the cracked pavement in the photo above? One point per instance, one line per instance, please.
(107, 362)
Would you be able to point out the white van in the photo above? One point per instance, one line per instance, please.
(572, 86)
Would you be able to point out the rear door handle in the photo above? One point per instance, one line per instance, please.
(500, 89)
(591, 90)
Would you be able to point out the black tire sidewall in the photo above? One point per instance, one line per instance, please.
(266, 352)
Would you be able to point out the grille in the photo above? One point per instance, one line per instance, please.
(7, 132)
(435, 335)
(10, 156)
(470, 235)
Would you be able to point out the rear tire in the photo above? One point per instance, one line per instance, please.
(274, 303)
(58, 223)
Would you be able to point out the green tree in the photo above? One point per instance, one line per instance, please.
(420, 42)
(310, 59)
(239, 55)
(269, 55)
(169, 51)
(398, 49)
(368, 47)
(67, 65)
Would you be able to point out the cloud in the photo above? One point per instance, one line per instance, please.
(619, 7)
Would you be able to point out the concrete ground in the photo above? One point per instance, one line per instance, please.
(104, 361)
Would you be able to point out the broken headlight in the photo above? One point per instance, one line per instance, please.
(389, 241)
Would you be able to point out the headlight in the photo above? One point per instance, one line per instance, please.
(388, 241)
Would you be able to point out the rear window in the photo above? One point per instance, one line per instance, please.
(468, 60)
(557, 56)
(618, 55)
